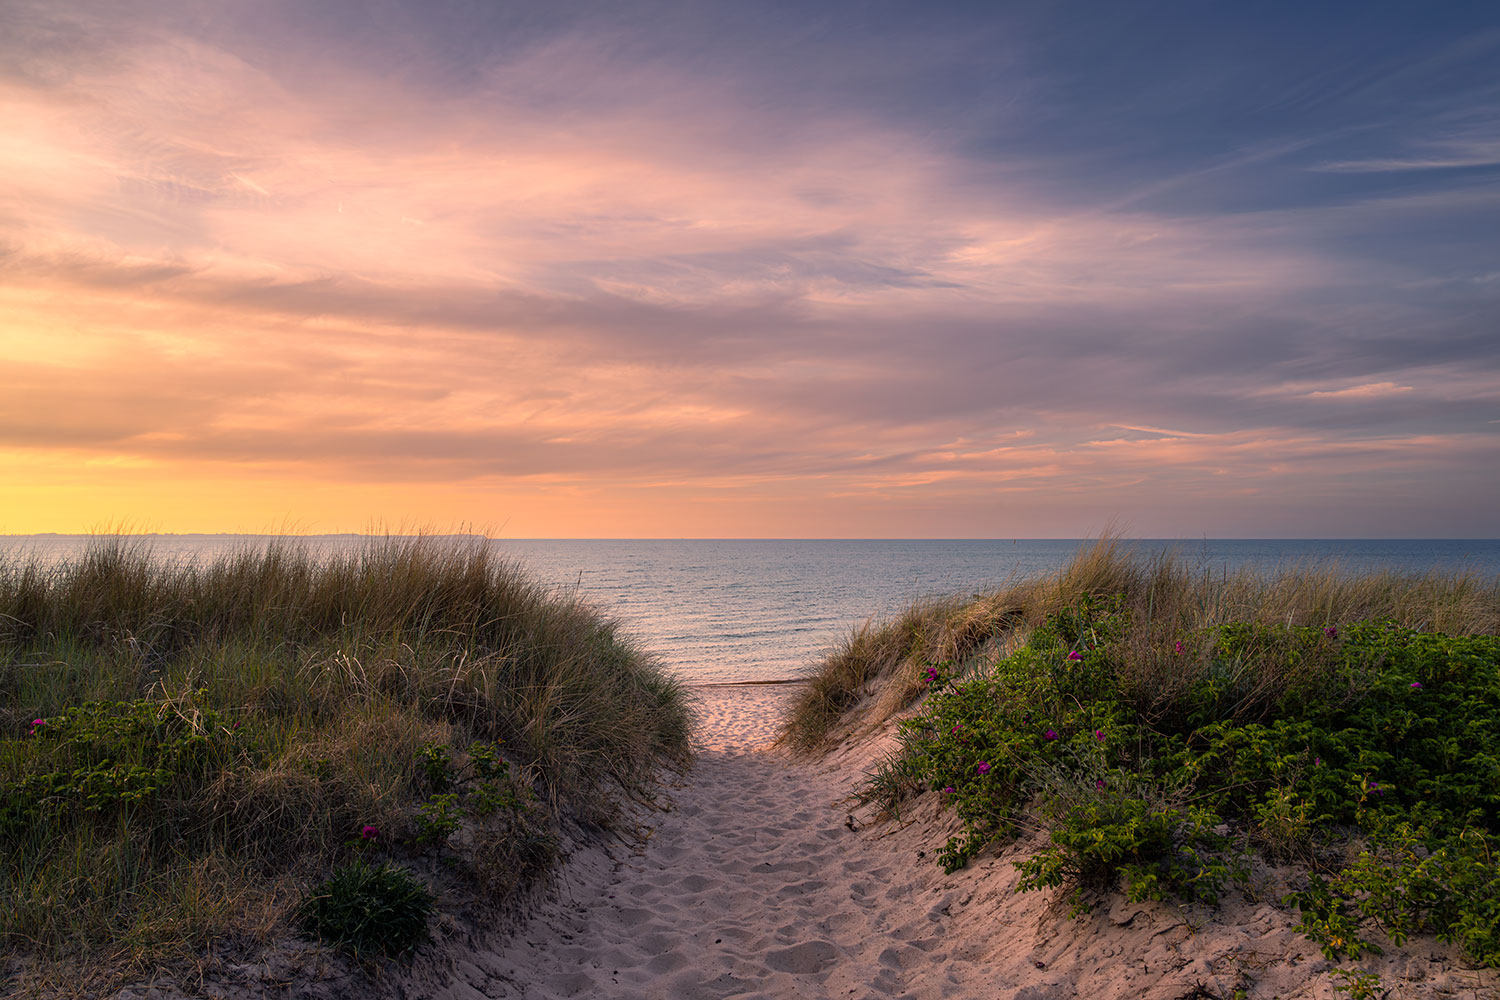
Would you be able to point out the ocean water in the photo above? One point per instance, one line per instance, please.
(737, 610)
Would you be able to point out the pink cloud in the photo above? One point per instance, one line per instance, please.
(1370, 390)
(208, 268)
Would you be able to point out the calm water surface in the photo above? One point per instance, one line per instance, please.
(766, 610)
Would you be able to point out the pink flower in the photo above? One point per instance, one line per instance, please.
(1178, 647)
(984, 767)
(1415, 685)
(948, 790)
(1052, 734)
(1075, 655)
(1099, 784)
(957, 726)
(1331, 632)
(1099, 735)
(368, 832)
(932, 673)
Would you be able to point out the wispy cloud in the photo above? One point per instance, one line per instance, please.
(572, 262)
(1369, 390)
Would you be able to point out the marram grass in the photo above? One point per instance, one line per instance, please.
(877, 671)
(186, 750)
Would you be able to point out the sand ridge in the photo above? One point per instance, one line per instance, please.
(762, 881)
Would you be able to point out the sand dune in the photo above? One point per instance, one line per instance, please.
(761, 881)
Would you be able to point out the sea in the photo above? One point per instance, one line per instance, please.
(734, 611)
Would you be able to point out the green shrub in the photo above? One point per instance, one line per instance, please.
(1173, 609)
(368, 909)
(1406, 882)
(1156, 851)
(1359, 985)
(436, 763)
(99, 762)
(437, 818)
(1295, 736)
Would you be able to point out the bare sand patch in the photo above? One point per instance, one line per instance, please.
(739, 717)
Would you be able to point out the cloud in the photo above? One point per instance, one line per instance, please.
(1394, 165)
(584, 248)
(1369, 390)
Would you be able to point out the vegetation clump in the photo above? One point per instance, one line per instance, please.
(370, 909)
(878, 670)
(185, 750)
(1163, 736)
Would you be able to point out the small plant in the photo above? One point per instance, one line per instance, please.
(495, 787)
(1358, 984)
(1157, 852)
(368, 910)
(1326, 920)
(888, 783)
(436, 763)
(958, 851)
(486, 760)
(488, 797)
(437, 818)
(1284, 824)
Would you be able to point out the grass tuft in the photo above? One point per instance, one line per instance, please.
(368, 909)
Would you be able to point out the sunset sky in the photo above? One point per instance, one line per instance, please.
(649, 269)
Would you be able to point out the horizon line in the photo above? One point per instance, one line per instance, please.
(747, 538)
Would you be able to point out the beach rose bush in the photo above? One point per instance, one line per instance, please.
(1265, 738)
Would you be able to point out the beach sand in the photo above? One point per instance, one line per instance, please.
(761, 879)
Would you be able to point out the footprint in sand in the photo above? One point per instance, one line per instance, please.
(805, 958)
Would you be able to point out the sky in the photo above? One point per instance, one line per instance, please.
(699, 269)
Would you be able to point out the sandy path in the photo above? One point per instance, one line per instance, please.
(753, 884)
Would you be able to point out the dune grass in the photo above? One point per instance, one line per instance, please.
(877, 671)
(186, 749)
(1167, 730)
